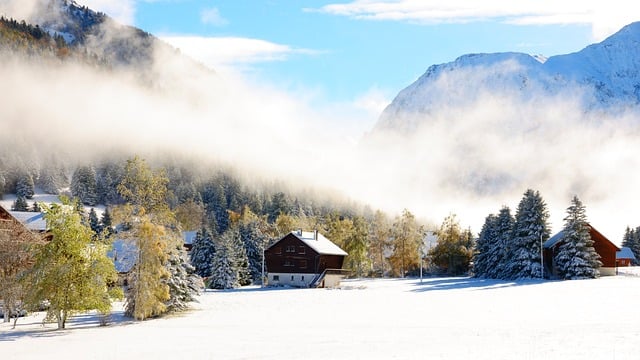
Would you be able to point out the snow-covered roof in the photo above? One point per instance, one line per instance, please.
(32, 220)
(319, 243)
(625, 253)
(189, 237)
(124, 254)
(553, 240)
(592, 231)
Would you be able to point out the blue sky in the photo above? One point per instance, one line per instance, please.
(361, 52)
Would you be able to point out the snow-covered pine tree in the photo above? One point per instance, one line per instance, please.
(94, 222)
(202, 251)
(530, 230)
(20, 204)
(239, 256)
(631, 240)
(223, 272)
(108, 176)
(106, 222)
(254, 241)
(25, 186)
(635, 247)
(48, 182)
(484, 246)
(500, 249)
(184, 284)
(576, 258)
(83, 185)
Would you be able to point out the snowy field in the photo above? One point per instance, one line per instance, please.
(441, 318)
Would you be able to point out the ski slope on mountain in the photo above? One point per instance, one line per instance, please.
(440, 318)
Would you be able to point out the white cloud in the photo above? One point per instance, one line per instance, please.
(231, 52)
(604, 17)
(212, 17)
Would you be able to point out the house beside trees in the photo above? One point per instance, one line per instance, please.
(304, 259)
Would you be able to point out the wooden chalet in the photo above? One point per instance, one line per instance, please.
(304, 259)
(603, 246)
(14, 228)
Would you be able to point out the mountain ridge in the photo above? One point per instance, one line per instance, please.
(604, 76)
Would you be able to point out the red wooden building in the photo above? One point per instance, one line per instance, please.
(603, 246)
(304, 259)
(625, 257)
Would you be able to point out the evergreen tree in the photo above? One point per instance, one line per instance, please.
(254, 240)
(576, 257)
(223, 272)
(500, 250)
(48, 182)
(53, 177)
(25, 187)
(108, 177)
(20, 204)
(485, 245)
(70, 272)
(94, 222)
(83, 185)
(279, 205)
(36, 207)
(631, 240)
(184, 284)
(216, 207)
(531, 229)
(239, 257)
(202, 251)
(106, 222)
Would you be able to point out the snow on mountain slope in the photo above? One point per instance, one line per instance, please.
(603, 76)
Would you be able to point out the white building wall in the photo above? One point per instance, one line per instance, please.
(288, 279)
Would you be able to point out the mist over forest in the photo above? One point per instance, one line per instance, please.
(75, 104)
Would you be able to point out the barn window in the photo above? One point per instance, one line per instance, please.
(291, 277)
(276, 277)
(303, 264)
(302, 277)
(288, 263)
(291, 249)
(302, 250)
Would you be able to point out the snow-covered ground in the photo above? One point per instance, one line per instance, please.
(441, 318)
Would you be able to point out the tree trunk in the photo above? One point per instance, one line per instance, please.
(61, 316)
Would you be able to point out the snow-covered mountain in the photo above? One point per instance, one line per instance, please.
(604, 76)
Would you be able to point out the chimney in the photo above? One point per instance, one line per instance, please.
(299, 232)
(315, 234)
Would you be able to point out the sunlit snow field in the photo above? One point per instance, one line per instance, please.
(440, 318)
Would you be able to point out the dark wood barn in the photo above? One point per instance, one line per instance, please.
(304, 259)
(603, 246)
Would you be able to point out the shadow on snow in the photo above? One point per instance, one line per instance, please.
(456, 283)
(49, 329)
